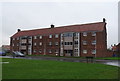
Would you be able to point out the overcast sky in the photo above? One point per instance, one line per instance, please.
(35, 15)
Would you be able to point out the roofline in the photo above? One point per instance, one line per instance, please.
(61, 26)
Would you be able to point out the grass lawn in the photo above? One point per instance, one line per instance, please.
(43, 69)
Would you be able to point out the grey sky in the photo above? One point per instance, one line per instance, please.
(35, 15)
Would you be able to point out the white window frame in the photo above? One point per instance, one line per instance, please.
(84, 51)
(84, 33)
(84, 42)
(40, 43)
(35, 37)
(56, 51)
(76, 34)
(56, 43)
(35, 44)
(50, 36)
(34, 51)
(40, 37)
(23, 47)
(93, 33)
(76, 50)
(17, 38)
(40, 51)
(50, 43)
(94, 42)
(56, 35)
(93, 51)
(13, 38)
(50, 51)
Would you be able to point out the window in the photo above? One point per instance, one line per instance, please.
(93, 33)
(13, 38)
(40, 43)
(84, 33)
(65, 43)
(24, 41)
(24, 37)
(23, 47)
(17, 44)
(40, 51)
(17, 38)
(85, 51)
(76, 34)
(76, 50)
(56, 43)
(34, 51)
(29, 37)
(50, 43)
(56, 51)
(93, 52)
(94, 42)
(69, 34)
(35, 37)
(50, 36)
(50, 51)
(34, 44)
(29, 41)
(68, 43)
(62, 43)
(40, 37)
(76, 42)
(56, 36)
(84, 42)
(13, 44)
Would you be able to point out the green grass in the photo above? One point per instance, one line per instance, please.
(43, 69)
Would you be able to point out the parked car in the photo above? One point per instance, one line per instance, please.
(2, 53)
(18, 54)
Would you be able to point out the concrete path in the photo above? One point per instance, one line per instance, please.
(67, 59)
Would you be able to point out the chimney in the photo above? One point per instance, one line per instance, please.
(104, 20)
(19, 30)
(52, 26)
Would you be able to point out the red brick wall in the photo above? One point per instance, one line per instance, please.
(101, 44)
(15, 47)
(45, 44)
(89, 47)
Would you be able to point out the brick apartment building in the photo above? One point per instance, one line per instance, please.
(74, 40)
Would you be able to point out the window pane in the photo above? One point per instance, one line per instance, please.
(35, 37)
(56, 43)
(93, 51)
(40, 43)
(50, 43)
(40, 37)
(35, 44)
(94, 42)
(84, 42)
(76, 42)
(93, 33)
(84, 51)
(50, 36)
(84, 33)
(56, 36)
(69, 34)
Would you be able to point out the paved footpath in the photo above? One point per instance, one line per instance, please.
(69, 59)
